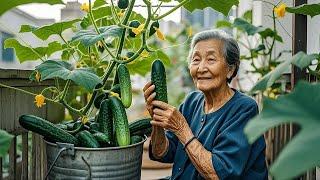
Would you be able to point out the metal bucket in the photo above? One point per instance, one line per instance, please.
(67, 162)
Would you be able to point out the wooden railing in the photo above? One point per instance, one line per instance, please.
(30, 162)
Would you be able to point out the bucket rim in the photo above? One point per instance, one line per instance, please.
(103, 148)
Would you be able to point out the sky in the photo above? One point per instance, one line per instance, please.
(53, 11)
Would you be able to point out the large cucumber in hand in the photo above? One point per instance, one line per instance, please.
(158, 78)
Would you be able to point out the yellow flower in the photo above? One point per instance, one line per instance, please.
(144, 54)
(280, 10)
(138, 30)
(85, 7)
(84, 119)
(189, 31)
(38, 76)
(114, 94)
(160, 34)
(39, 100)
(120, 14)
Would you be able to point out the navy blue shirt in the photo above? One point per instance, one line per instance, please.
(220, 132)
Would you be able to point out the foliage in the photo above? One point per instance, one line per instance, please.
(8, 4)
(298, 107)
(305, 146)
(5, 141)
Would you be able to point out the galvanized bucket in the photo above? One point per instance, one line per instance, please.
(67, 162)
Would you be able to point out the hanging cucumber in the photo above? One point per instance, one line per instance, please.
(125, 85)
(158, 78)
(120, 121)
(123, 4)
(153, 27)
(133, 24)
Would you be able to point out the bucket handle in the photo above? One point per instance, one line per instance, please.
(89, 168)
(63, 147)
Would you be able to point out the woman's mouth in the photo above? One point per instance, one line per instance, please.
(204, 78)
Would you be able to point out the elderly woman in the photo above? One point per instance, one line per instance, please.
(204, 138)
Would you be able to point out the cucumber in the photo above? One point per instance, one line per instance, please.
(62, 126)
(116, 89)
(142, 132)
(97, 101)
(102, 139)
(158, 78)
(125, 85)
(105, 120)
(94, 126)
(140, 125)
(136, 139)
(123, 4)
(153, 27)
(86, 139)
(133, 24)
(46, 129)
(120, 121)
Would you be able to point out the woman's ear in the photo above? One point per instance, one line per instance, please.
(231, 70)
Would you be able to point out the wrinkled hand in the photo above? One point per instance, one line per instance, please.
(149, 96)
(168, 117)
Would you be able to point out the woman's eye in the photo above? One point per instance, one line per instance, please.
(196, 60)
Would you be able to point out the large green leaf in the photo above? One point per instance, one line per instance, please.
(306, 9)
(61, 69)
(5, 141)
(270, 33)
(25, 53)
(90, 37)
(45, 32)
(301, 60)
(299, 107)
(246, 26)
(222, 6)
(8, 4)
(142, 65)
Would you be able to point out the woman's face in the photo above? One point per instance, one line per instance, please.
(208, 67)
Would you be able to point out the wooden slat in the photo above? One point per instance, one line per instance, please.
(12, 158)
(24, 174)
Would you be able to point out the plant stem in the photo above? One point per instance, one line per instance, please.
(114, 12)
(171, 10)
(24, 91)
(106, 76)
(97, 30)
(65, 89)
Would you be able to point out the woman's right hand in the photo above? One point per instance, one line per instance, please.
(149, 96)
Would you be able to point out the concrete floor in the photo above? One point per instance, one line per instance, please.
(153, 174)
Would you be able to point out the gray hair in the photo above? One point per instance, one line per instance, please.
(231, 51)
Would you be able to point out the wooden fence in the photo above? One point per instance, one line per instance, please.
(30, 163)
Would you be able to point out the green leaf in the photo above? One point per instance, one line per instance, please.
(223, 23)
(45, 32)
(98, 3)
(25, 53)
(5, 141)
(27, 28)
(299, 107)
(246, 26)
(142, 66)
(301, 60)
(90, 37)
(270, 33)
(305, 9)
(165, 1)
(222, 6)
(8, 4)
(61, 69)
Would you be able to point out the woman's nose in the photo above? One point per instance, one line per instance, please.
(202, 66)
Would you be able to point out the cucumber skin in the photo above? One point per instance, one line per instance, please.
(158, 78)
(86, 139)
(105, 120)
(125, 85)
(140, 125)
(46, 129)
(120, 121)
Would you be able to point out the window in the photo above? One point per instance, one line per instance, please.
(7, 55)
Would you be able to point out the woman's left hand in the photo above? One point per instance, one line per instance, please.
(168, 117)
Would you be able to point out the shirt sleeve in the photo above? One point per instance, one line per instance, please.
(231, 149)
(171, 151)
